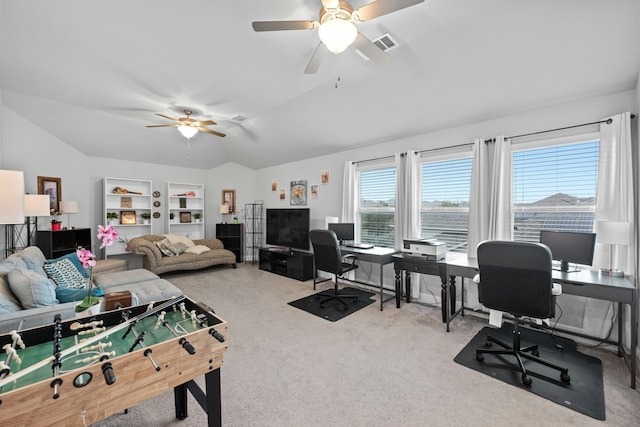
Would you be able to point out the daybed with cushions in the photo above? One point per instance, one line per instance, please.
(171, 252)
(35, 290)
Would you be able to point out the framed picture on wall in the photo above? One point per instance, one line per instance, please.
(53, 188)
(128, 217)
(298, 193)
(229, 198)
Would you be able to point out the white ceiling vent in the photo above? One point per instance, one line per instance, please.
(238, 118)
(385, 42)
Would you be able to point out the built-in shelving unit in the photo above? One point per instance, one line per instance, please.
(129, 199)
(185, 202)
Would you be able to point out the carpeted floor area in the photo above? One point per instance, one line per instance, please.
(585, 392)
(373, 368)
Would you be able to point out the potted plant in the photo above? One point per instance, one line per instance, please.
(197, 216)
(112, 217)
(171, 216)
(55, 222)
(146, 216)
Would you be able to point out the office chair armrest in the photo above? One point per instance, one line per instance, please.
(350, 259)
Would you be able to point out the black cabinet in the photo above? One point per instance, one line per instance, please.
(54, 244)
(293, 264)
(232, 237)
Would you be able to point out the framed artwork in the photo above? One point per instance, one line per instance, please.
(128, 217)
(274, 185)
(325, 176)
(183, 202)
(126, 202)
(314, 191)
(283, 194)
(185, 217)
(52, 187)
(229, 198)
(298, 193)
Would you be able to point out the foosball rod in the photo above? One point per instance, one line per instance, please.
(96, 338)
(10, 355)
(140, 341)
(57, 361)
(183, 341)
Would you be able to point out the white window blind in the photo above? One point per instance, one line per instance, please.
(444, 208)
(376, 210)
(554, 188)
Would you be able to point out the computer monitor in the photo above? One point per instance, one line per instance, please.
(344, 231)
(568, 246)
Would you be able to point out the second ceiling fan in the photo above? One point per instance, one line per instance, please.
(336, 28)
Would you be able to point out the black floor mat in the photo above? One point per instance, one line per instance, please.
(334, 310)
(584, 394)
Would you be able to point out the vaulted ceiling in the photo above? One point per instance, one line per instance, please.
(94, 73)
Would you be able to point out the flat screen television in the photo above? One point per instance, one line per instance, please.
(344, 230)
(568, 246)
(288, 227)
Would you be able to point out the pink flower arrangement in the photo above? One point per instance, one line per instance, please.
(108, 235)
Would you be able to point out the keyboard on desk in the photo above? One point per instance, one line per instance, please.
(358, 245)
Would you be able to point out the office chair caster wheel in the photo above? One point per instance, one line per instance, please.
(479, 357)
(536, 353)
(321, 305)
(488, 344)
(355, 300)
(565, 377)
(526, 380)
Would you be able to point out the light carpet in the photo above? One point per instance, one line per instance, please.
(372, 368)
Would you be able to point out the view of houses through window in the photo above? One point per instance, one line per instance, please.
(377, 206)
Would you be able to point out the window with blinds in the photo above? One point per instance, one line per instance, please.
(554, 188)
(376, 210)
(444, 208)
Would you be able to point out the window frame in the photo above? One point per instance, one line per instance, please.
(359, 210)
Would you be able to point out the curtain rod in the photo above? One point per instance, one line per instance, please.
(445, 148)
(355, 162)
(607, 121)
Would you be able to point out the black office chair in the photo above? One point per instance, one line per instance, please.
(327, 257)
(515, 277)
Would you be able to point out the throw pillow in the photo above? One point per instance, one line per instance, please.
(32, 289)
(163, 246)
(8, 301)
(73, 257)
(178, 248)
(174, 238)
(199, 249)
(65, 273)
(64, 294)
(34, 258)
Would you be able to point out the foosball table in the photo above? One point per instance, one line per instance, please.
(79, 371)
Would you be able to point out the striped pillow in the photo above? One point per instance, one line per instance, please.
(64, 273)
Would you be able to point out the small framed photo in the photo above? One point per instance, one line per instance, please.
(128, 217)
(229, 198)
(314, 191)
(53, 188)
(325, 176)
(183, 202)
(185, 217)
(126, 202)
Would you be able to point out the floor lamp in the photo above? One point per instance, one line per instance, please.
(11, 203)
(35, 205)
(613, 233)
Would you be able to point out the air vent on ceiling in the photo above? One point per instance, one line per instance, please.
(385, 42)
(238, 118)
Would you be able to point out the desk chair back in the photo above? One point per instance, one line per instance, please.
(515, 277)
(326, 252)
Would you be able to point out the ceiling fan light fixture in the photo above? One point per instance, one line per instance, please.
(337, 34)
(187, 131)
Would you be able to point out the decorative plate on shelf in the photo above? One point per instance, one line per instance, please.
(156, 214)
(156, 204)
(156, 194)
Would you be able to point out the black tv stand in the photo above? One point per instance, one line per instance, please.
(287, 262)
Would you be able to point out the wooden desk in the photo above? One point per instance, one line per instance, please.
(375, 255)
(584, 283)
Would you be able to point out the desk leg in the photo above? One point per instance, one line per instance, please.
(398, 282)
(381, 287)
(452, 293)
(444, 301)
(407, 286)
(634, 341)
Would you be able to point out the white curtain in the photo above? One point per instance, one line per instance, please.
(408, 204)
(350, 189)
(614, 202)
(490, 200)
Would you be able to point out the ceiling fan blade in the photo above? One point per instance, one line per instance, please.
(204, 123)
(160, 126)
(315, 60)
(212, 132)
(382, 7)
(282, 25)
(166, 117)
(370, 50)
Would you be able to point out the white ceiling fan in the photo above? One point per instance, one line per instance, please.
(337, 30)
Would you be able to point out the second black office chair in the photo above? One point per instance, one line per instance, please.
(515, 277)
(327, 257)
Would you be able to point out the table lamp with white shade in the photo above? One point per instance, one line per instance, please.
(69, 207)
(35, 205)
(613, 233)
(224, 210)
